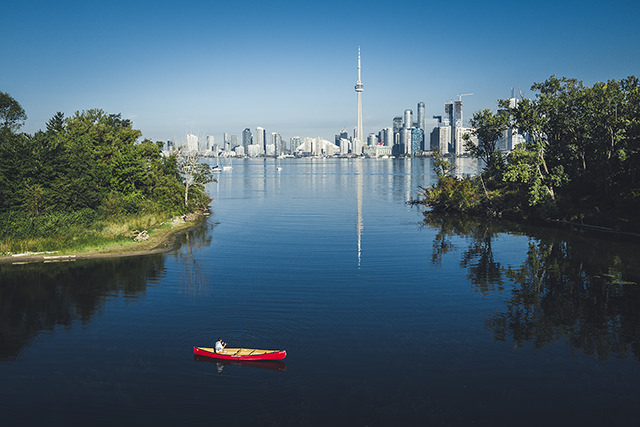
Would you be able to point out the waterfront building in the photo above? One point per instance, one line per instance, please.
(440, 138)
(317, 147)
(344, 145)
(261, 138)
(253, 150)
(397, 124)
(460, 149)
(404, 147)
(247, 139)
(377, 151)
(457, 113)
(421, 123)
(344, 134)
(388, 137)
(357, 146)
(270, 150)
(448, 111)
(407, 121)
(276, 141)
(294, 142)
(210, 142)
(417, 141)
(192, 142)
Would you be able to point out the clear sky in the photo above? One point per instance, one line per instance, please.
(210, 67)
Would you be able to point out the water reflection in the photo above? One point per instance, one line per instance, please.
(36, 297)
(192, 276)
(274, 365)
(578, 289)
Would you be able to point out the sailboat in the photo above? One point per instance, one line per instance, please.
(227, 166)
(217, 167)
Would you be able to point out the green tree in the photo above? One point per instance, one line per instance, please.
(488, 128)
(12, 115)
(56, 123)
(449, 193)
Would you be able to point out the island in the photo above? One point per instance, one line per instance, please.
(90, 186)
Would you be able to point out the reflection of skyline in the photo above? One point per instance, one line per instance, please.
(359, 208)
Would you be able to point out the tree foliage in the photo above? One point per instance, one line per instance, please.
(488, 128)
(91, 162)
(449, 193)
(580, 158)
(196, 176)
(11, 113)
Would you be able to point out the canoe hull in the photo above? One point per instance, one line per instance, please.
(240, 354)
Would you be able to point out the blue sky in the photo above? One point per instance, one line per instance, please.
(210, 67)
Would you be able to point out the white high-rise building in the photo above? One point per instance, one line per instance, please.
(421, 118)
(460, 148)
(192, 142)
(407, 120)
(261, 135)
(510, 137)
(294, 142)
(440, 138)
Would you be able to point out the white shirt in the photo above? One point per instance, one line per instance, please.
(219, 347)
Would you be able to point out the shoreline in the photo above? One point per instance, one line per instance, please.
(160, 240)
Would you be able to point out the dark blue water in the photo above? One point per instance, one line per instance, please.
(388, 318)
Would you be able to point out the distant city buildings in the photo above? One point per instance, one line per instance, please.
(192, 143)
(407, 135)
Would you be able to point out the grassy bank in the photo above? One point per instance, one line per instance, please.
(101, 238)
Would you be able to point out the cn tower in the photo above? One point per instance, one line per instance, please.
(359, 89)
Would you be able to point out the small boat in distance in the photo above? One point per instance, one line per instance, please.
(244, 354)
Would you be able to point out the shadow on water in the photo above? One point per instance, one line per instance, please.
(40, 297)
(577, 288)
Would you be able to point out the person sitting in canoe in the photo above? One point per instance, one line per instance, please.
(219, 346)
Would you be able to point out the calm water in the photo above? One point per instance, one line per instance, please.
(388, 318)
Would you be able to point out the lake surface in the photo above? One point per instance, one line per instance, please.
(388, 317)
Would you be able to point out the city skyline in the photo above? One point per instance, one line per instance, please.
(287, 67)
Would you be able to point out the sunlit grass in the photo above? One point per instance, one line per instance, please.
(68, 237)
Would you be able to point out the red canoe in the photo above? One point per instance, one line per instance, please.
(246, 354)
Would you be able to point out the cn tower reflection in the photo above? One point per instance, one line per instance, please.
(359, 208)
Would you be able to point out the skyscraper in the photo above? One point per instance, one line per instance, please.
(359, 89)
(397, 124)
(247, 139)
(192, 142)
(261, 138)
(421, 119)
(407, 121)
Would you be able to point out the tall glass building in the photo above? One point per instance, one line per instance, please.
(247, 139)
(421, 119)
